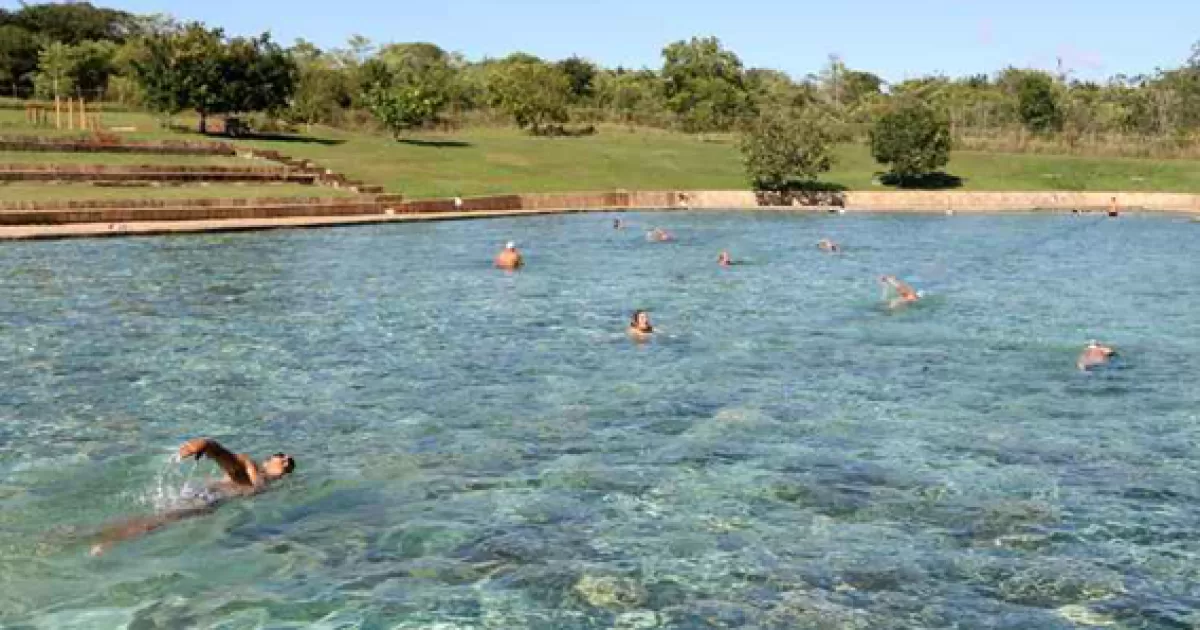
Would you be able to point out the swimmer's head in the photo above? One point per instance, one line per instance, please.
(640, 319)
(510, 245)
(278, 465)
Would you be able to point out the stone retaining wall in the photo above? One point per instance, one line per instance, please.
(158, 173)
(181, 213)
(104, 144)
(100, 204)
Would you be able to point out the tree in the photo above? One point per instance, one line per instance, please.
(704, 84)
(412, 85)
(56, 72)
(19, 50)
(198, 69)
(322, 86)
(532, 93)
(404, 107)
(1037, 104)
(912, 139)
(783, 150)
(582, 76)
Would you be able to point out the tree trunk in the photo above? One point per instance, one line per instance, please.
(203, 124)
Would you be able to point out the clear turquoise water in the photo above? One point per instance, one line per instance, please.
(482, 450)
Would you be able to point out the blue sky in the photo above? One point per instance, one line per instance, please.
(895, 39)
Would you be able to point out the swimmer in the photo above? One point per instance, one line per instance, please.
(905, 293)
(617, 225)
(510, 258)
(1094, 355)
(659, 235)
(243, 477)
(724, 259)
(827, 245)
(639, 325)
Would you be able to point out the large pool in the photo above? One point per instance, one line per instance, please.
(483, 450)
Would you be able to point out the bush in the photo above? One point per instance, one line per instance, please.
(912, 139)
(785, 150)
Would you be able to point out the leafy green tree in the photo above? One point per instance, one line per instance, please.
(582, 76)
(404, 107)
(783, 150)
(322, 86)
(72, 23)
(912, 139)
(705, 85)
(19, 50)
(413, 84)
(532, 93)
(1037, 103)
(56, 71)
(197, 68)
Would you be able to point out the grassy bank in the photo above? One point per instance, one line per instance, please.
(486, 160)
(482, 161)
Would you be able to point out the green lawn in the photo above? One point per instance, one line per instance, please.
(483, 161)
(479, 161)
(56, 192)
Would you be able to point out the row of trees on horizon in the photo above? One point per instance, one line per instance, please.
(701, 86)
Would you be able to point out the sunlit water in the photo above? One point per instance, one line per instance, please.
(483, 450)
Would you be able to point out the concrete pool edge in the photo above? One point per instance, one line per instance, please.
(502, 206)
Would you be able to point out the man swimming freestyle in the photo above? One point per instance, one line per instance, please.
(905, 293)
(243, 477)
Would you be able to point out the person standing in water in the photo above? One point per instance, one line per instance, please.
(509, 258)
(905, 294)
(639, 325)
(724, 259)
(243, 477)
(1094, 355)
(1113, 209)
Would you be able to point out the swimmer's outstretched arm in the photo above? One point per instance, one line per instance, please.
(240, 469)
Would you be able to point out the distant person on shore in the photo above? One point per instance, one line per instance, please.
(510, 258)
(1113, 209)
(724, 259)
(905, 294)
(827, 245)
(243, 477)
(639, 325)
(659, 235)
(1095, 355)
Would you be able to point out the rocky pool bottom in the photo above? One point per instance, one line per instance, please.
(484, 450)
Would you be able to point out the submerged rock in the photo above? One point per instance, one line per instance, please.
(610, 592)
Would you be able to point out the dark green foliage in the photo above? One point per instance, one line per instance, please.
(912, 139)
(534, 94)
(582, 76)
(1037, 104)
(785, 150)
(18, 56)
(705, 85)
(197, 68)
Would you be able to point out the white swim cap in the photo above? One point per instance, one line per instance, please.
(510, 245)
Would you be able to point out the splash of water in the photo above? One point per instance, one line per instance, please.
(176, 485)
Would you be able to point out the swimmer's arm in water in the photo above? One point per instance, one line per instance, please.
(240, 469)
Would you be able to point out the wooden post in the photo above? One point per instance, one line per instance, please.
(70, 113)
(57, 111)
(82, 114)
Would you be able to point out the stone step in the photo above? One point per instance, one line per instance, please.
(121, 215)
